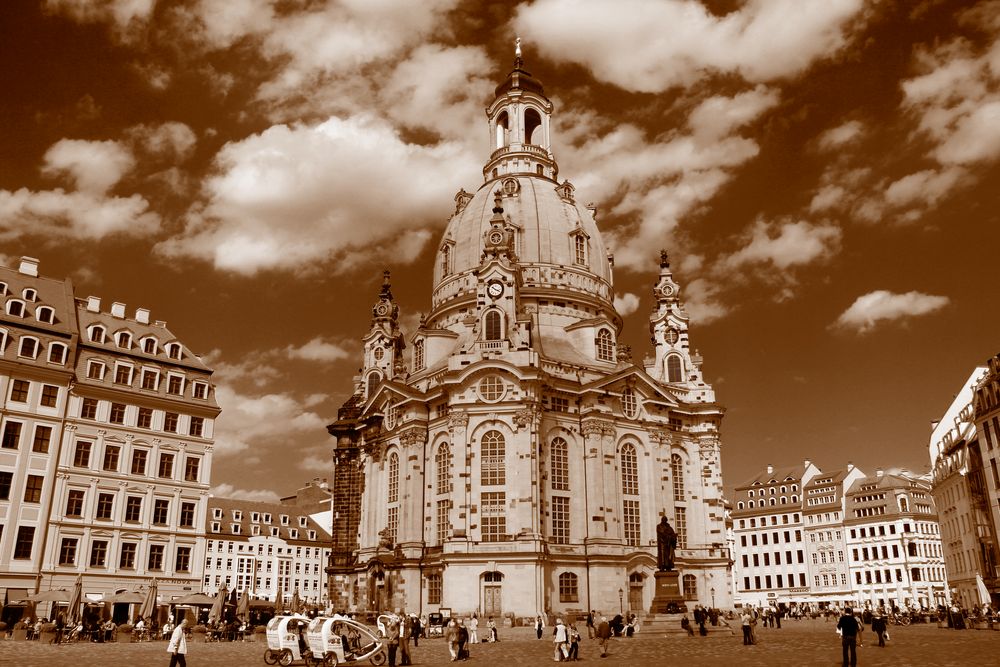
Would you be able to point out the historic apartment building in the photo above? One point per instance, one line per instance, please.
(986, 415)
(271, 549)
(844, 538)
(120, 491)
(958, 448)
(509, 456)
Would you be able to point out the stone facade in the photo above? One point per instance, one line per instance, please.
(509, 457)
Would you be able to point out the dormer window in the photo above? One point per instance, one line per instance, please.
(200, 390)
(216, 513)
(28, 347)
(97, 334)
(173, 350)
(237, 515)
(57, 353)
(303, 522)
(284, 519)
(3, 340)
(149, 345)
(236, 529)
(45, 314)
(15, 308)
(123, 339)
(29, 294)
(605, 344)
(3, 289)
(311, 534)
(580, 248)
(566, 191)
(267, 518)
(293, 533)
(255, 517)
(275, 532)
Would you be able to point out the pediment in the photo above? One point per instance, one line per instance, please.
(639, 381)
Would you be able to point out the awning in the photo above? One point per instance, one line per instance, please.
(16, 597)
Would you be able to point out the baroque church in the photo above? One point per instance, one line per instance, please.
(509, 457)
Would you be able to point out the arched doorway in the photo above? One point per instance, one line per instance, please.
(492, 593)
(635, 583)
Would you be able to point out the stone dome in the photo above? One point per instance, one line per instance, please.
(546, 221)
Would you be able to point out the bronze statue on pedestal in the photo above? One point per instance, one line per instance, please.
(666, 543)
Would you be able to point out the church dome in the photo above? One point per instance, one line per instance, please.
(556, 239)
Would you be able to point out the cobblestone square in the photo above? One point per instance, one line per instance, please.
(802, 643)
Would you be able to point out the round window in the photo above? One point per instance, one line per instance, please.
(491, 388)
(379, 352)
(630, 403)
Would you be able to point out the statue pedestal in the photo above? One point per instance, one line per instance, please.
(667, 591)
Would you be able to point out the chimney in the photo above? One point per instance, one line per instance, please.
(879, 473)
(770, 469)
(850, 467)
(161, 323)
(29, 266)
(806, 463)
(142, 315)
(118, 310)
(934, 424)
(93, 304)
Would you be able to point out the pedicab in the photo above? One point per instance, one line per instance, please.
(286, 642)
(339, 639)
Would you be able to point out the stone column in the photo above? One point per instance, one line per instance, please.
(530, 418)
(461, 486)
(593, 471)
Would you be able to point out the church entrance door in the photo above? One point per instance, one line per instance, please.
(635, 598)
(491, 601)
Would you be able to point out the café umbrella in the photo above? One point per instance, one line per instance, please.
(296, 603)
(243, 608)
(220, 605)
(148, 608)
(75, 601)
(279, 600)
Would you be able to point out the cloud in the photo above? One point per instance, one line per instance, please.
(93, 166)
(841, 135)
(320, 350)
(702, 301)
(626, 304)
(652, 45)
(784, 245)
(869, 310)
(123, 14)
(256, 495)
(340, 192)
(270, 420)
(172, 139)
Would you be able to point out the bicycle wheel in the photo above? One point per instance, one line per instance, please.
(270, 657)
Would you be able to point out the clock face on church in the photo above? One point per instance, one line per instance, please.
(494, 289)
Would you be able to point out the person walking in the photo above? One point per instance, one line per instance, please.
(879, 627)
(177, 646)
(559, 639)
(418, 627)
(604, 635)
(463, 640)
(474, 629)
(591, 630)
(451, 636)
(539, 626)
(745, 619)
(492, 627)
(574, 643)
(60, 628)
(849, 627)
(392, 639)
(406, 630)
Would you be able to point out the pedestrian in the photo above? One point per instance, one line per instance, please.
(60, 627)
(177, 646)
(777, 617)
(686, 625)
(392, 639)
(404, 640)
(474, 629)
(451, 636)
(879, 626)
(604, 635)
(463, 640)
(591, 630)
(539, 626)
(418, 628)
(848, 627)
(574, 643)
(492, 627)
(745, 619)
(559, 639)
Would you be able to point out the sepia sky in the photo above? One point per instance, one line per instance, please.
(824, 174)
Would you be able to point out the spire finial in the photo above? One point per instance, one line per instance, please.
(497, 202)
(664, 260)
(517, 47)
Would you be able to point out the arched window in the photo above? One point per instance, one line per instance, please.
(445, 260)
(569, 589)
(97, 334)
(15, 308)
(903, 505)
(771, 502)
(605, 345)
(677, 475)
(124, 339)
(373, 380)
(533, 122)
(690, 587)
(630, 487)
(442, 465)
(29, 294)
(580, 247)
(494, 451)
(174, 350)
(45, 314)
(57, 353)
(418, 356)
(751, 504)
(393, 477)
(503, 130)
(674, 369)
(28, 347)
(149, 345)
(739, 505)
(559, 452)
(493, 325)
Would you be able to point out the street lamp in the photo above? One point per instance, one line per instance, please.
(713, 597)
(621, 601)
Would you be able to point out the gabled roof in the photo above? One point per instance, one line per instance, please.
(652, 387)
(790, 473)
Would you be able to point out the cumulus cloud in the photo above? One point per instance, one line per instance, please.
(841, 135)
(257, 495)
(172, 139)
(874, 308)
(652, 45)
(784, 245)
(122, 14)
(92, 166)
(626, 304)
(266, 420)
(319, 349)
(341, 191)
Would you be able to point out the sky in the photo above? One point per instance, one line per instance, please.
(824, 174)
